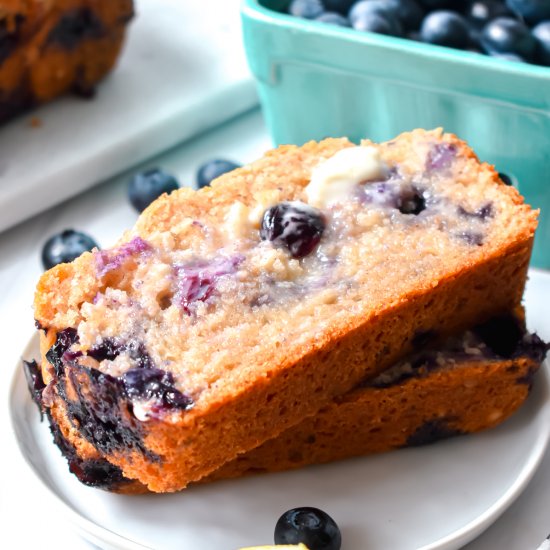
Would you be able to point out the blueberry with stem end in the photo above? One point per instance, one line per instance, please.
(310, 526)
(149, 185)
(213, 169)
(65, 247)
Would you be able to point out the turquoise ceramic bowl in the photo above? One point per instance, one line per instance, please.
(317, 80)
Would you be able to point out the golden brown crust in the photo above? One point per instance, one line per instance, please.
(462, 400)
(473, 397)
(263, 399)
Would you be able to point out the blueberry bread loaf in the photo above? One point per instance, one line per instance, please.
(228, 315)
(51, 47)
(467, 383)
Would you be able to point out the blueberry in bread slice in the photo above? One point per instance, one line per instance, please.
(467, 383)
(230, 314)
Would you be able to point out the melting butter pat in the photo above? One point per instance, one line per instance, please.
(334, 179)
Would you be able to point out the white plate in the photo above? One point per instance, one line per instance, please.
(182, 71)
(435, 497)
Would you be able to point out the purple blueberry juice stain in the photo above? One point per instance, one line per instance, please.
(484, 212)
(473, 238)
(64, 340)
(35, 383)
(100, 405)
(396, 194)
(432, 431)
(92, 472)
(75, 26)
(196, 281)
(108, 260)
(156, 387)
(440, 156)
(9, 36)
(110, 348)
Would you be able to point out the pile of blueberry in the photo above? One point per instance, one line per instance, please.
(516, 30)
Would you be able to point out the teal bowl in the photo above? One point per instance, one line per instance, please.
(317, 80)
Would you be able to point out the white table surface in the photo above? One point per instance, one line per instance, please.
(182, 70)
(26, 519)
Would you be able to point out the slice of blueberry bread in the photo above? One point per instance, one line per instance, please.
(465, 384)
(229, 314)
(49, 48)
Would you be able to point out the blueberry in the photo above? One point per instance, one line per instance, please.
(147, 186)
(501, 334)
(308, 9)
(340, 6)
(293, 225)
(409, 13)
(375, 16)
(506, 179)
(333, 18)
(480, 12)
(376, 23)
(75, 26)
(65, 247)
(508, 35)
(310, 526)
(213, 169)
(542, 35)
(533, 11)
(155, 384)
(445, 28)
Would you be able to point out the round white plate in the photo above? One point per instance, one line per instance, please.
(435, 497)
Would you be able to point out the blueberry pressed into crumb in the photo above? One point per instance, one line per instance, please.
(65, 247)
(145, 187)
(294, 226)
(430, 432)
(514, 30)
(108, 410)
(310, 526)
(75, 26)
(213, 169)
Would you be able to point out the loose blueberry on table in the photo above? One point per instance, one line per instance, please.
(310, 526)
(65, 247)
(213, 169)
(147, 186)
(513, 30)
